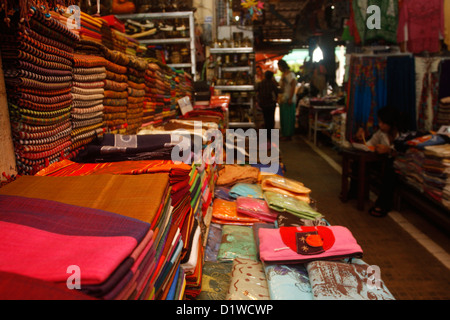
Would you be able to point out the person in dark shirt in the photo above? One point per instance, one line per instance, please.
(267, 94)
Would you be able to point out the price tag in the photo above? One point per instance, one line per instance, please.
(185, 105)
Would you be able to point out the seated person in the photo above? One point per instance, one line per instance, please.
(383, 143)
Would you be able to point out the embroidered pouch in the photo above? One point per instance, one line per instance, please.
(324, 243)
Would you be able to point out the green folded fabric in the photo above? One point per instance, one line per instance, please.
(284, 203)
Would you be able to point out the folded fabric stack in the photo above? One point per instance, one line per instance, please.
(117, 260)
(117, 147)
(136, 93)
(37, 59)
(443, 112)
(409, 166)
(164, 95)
(436, 173)
(154, 102)
(116, 92)
(88, 94)
(91, 27)
(183, 205)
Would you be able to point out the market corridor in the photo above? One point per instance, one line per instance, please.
(409, 270)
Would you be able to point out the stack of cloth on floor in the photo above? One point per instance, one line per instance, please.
(88, 94)
(152, 264)
(116, 92)
(136, 93)
(290, 252)
(38, 59)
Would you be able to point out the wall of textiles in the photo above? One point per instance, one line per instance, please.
(66, 87)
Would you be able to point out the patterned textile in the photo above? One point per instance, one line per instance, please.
(216, 280)
(237, 242)
(88, 93)
(345, 281)
(288, 282)
(248, 281)
(38, 61)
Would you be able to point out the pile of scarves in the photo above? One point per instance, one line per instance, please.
(164, 248)
(116, 92)
(264, 248)
(234, 270)
(188, 198)
(88, 94)
(136, 93)
(38, 60)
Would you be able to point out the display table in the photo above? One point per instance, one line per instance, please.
(361, 158)
(314, 111)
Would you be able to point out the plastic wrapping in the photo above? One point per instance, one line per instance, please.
(256, 208)
(248, 281)
(250, 190)
(286, 186)
(237, 242)
(284, 203)
(227, 210)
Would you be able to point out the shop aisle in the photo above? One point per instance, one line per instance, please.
(409, 270)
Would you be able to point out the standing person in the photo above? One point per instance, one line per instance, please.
(267, 93)
(287, 101)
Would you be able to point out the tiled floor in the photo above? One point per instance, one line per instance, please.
(412, 253)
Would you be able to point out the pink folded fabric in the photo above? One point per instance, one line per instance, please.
(256, 208)
(50, 254)
(304, 244)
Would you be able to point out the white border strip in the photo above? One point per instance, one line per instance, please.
(437, 251)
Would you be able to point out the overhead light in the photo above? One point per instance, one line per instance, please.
(281, 40)
(317, 54)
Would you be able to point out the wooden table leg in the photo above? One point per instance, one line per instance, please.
(361, 184)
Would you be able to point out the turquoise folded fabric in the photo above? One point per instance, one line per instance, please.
(288, 282)
(246, 190)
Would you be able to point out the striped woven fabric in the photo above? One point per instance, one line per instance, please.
(38, 61)
(88, 94)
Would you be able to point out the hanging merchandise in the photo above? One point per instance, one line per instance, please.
(384, 25)
(447, 23)
(400, 83)
(254, 7)
(420, 25)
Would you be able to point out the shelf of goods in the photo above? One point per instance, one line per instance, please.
(234, 73)
(182, 36)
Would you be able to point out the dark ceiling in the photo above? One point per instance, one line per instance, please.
(296, 20)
